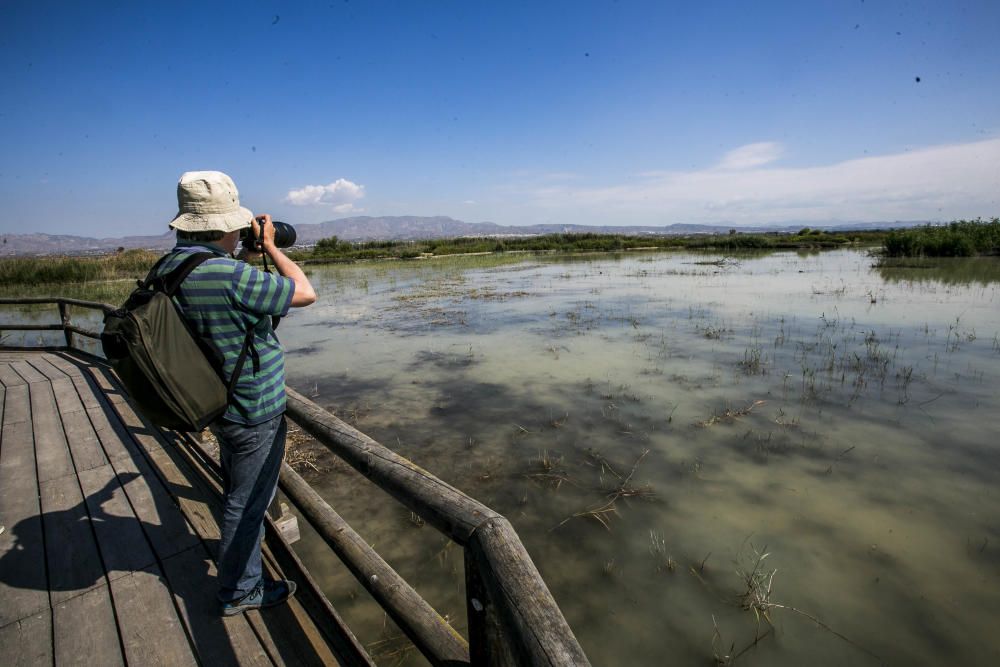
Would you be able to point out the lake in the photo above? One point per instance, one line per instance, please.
(698, 451)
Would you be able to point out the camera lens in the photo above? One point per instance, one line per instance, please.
(284, 234)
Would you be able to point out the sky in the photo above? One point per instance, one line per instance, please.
(597, 113)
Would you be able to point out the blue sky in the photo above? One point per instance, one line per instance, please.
(518, 113)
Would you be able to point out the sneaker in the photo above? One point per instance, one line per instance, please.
(266, 594)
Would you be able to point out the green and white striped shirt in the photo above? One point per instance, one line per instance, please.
(222, 299)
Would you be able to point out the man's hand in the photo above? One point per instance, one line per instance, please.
(304, 293)
(267, 241)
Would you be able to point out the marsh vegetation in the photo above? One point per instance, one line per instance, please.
(784, 458)
(962, 238)
(334, 249)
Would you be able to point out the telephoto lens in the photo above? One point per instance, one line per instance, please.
(284, 236)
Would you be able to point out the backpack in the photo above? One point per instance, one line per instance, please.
(174, 376)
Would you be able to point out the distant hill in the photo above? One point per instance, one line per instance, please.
(403, 227)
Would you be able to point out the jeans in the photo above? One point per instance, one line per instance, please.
(251, 460)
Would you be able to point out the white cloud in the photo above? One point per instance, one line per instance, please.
(937, 182)
(751, 155)
(469, 201)
(340, 195)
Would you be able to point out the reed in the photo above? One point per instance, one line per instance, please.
(962, 238)
(76, 270)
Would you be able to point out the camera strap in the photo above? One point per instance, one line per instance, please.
(275, 319)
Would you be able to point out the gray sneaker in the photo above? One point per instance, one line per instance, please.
(266, 594)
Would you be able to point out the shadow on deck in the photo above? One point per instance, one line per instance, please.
(111, 527)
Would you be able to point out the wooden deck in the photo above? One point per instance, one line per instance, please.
(110, 533)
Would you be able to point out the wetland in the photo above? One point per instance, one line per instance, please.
(784, 458)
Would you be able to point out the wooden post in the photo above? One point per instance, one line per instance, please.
(64, 316)
(488, 643)
(513, 619)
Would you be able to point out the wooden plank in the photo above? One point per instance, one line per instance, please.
(23, 581)
(292, 632)
(150, 629)
(66, 362)
(217, 640)
(145, 434)
(9, 377)
(85, 632)
(84, 444)
(294, 637)
(28, 372)
(120, 536)
(181, 482)
(200, 506)
(51, 451)
(66, 395)
(195, 503)
(114, 437)
(41, 363)
(165, 525)
(314, 603)
(17, 404)
(282, 635)
(107, 384)
(87, 390)
(70, 549)
(28, 642)
(7, 355)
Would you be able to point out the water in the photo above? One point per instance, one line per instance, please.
(839, 418)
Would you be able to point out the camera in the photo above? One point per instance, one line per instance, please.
(284, 236)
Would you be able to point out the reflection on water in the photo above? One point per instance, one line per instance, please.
(833, 414)
(947, 271)
(649, 422)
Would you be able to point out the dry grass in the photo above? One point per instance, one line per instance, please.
(729, 414)
(622, 489)
(757, 580)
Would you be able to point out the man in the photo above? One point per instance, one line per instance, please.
(221, 300)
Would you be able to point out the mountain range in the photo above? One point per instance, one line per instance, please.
(404, 227)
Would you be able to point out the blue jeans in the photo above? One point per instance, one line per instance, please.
(251, 460)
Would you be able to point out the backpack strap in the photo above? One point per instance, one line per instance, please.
(144, 284)
(169, 283)
(248, 348)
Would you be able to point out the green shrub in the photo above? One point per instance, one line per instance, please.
(962, 238)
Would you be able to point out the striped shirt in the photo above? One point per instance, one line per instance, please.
(222, 299)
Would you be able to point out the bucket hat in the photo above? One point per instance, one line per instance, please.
(209, 201)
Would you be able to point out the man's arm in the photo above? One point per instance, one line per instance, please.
(304, 294)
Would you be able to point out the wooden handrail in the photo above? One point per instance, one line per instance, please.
(65, 324)
(28, 300)
(428, 631)
(441, 505)
(513, 618)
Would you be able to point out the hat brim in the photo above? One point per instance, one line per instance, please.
(212, 222)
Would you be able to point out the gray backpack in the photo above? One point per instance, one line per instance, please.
(172, 374)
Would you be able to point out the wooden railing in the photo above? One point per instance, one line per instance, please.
(65, 324)
(512, 617)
